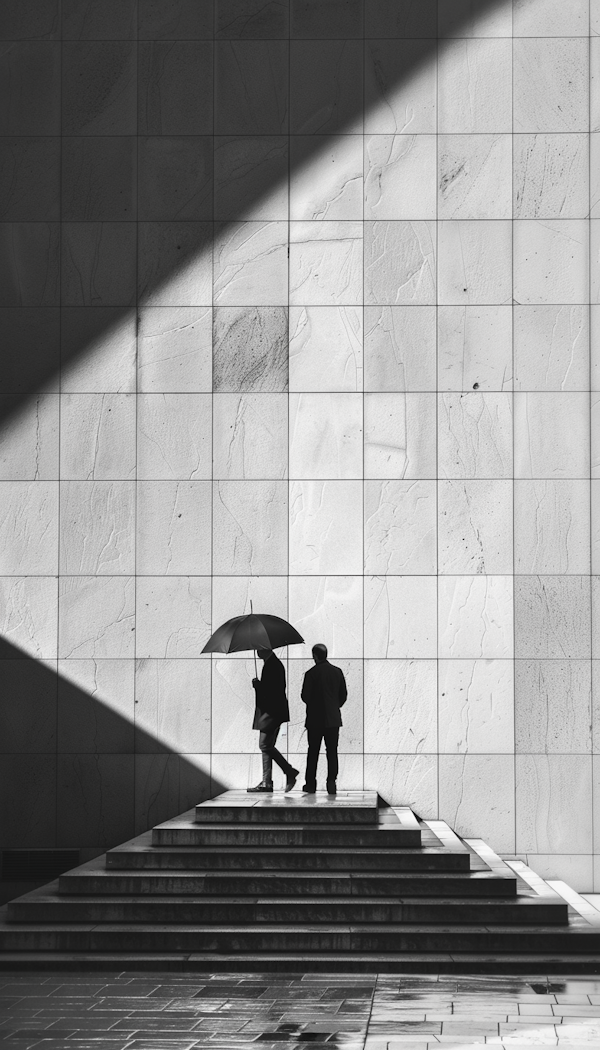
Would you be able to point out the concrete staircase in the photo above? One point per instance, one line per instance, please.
(290, 882)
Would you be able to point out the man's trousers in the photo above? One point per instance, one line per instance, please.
(315, 736)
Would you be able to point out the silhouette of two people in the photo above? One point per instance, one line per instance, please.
(324, 693)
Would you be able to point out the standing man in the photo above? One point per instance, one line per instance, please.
(270, 712)
(324, 693)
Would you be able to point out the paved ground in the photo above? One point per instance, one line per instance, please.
(181, 1011)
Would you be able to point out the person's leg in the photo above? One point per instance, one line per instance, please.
(331, 743)
(315, 737)
(266, 743)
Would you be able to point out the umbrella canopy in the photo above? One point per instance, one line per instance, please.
(254, 631)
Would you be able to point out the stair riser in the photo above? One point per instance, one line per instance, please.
(304, 912)
(279, 887)
(248, 836)
(262, 814)
(366, 860)
(293, 941)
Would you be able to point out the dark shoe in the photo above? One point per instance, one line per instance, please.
(308, 791)
(331, 788)
(292, 777)
(260, 787)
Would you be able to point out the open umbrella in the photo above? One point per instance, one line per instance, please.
(253, 631)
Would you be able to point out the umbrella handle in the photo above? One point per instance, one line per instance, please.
(255, 664)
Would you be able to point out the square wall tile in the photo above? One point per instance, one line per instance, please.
(551, 176)
(99, 178)
(551, 261)
(399, 436)
(28, 528)
(475, 433)
(399, 174)
(175, 87)
(251, 264)
(95, 707)
(107, 105)
(173, 616)
(400, 348)
(326, 263)
(98, 264)
(97, 528)
(400, 81)
(28, 692)
(552, 526)
(477, 797)
(174, 436)
(37, 283)
(552, 435)
(399, 260)
(326, 177)
(175, 263)
(475, 347)
(29, 614)
(550, 79)
(351, 733)
(250, 436)
(326, 348)
(552, 617)
(400, 528)
(30, 358)
(174, 529)
(328, 609)
(96, 617)
(554, 803)
(97, 437)
(30, 178)
(30, 84)
(175, 179)
(401, 706)
(475, 87)
(326, 86)
(175, 350)
(400, 618)
(405, 780)
(250, 350)
(97, 350)
(325, 528)
(156, 789)
(94, 800)
(233, 595)
(326, 436)
(474, 262)
(251, 87)
(476, 707)
(551, 347)
(173, 706)
(553, 707)
(475, 177)
(250, 527)
(475, 527)
(251, 177)
(28, 815)
(475, 617)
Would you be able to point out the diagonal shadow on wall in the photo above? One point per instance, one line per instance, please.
(66, 799)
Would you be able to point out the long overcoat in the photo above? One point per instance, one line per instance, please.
(271, 700)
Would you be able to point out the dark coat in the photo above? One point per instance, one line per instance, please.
(324, 692)
(271, 701)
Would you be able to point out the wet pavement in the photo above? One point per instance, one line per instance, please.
(128, 1011)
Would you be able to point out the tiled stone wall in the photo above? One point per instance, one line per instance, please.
(295, 308)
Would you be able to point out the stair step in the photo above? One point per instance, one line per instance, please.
(189, 833)
(91, 878)
(352, 807)
(367, 938)
(140, 853)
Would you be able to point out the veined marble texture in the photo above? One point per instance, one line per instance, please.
(553, 707)
(326, 348)
(552, 435)
(551, 347)
(251, 87)
(29, 614)
(173, 528)
(552, 526)
(29, 438)
(97, 436)
(28, 528)
(473, 21)
(175, 350)
(173, 706)
(326, 436)
(328, 609)
(552, 617)
(554, 811)
(96, 617)
(475, 527)
(476, 707)
(474, 261)
(97, 528)
(400, 618)
(550, 79)
(475, 617)
(250, 436)
(173, 616)
(250, 527)
(477, 791)
(551, 18)
(475, 435)
(551, 261)
(400, 348)
(475, 347)
(175, 263)
(400, 528)
(326, 180)
(326, 263)
(399, 435)
(250, 173)
(108, 364)
(400, 706)
(174, 436)
(396, 104)
(325, 528)
(399, 259)
(474, 86)
(400, 177)
(98, 264)
(475, 177)
(95, 709)
(405, 780)
(250, 349)
(326, 81)
(551, 176)
(250, 264)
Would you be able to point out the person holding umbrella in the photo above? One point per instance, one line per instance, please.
(270, 713)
